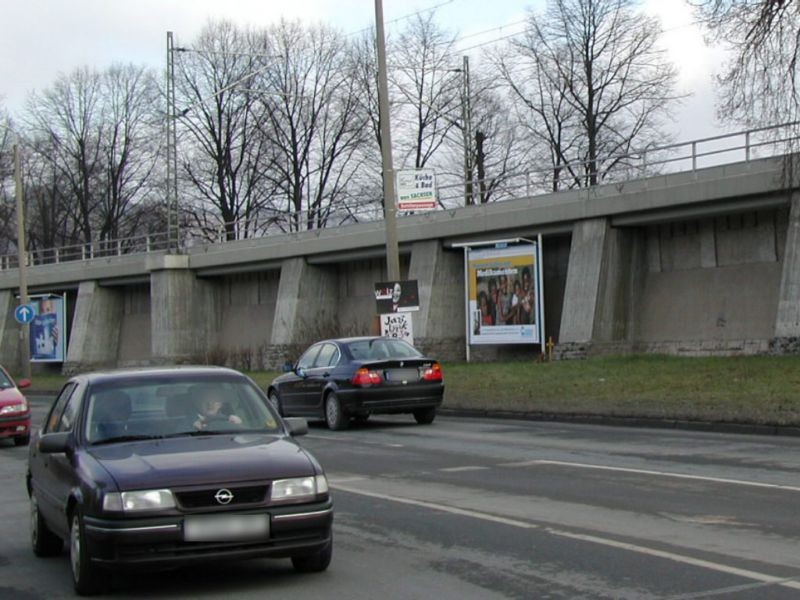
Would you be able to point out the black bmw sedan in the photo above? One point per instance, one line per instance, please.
(340, 379)
(159, 468)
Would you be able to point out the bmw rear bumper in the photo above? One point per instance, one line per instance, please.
(388, 400)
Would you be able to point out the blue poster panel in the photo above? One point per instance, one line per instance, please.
(48, 332)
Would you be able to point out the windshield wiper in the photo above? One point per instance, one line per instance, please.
(127, 438)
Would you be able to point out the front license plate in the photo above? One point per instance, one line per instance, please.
(225, 528)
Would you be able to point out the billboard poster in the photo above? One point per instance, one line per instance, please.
(47, 330)
(396, 296)
(398, 325)
(416, 190)
(504, 299)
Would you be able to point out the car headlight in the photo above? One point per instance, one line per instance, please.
(14, 408)
(141, 500)
(299, 487)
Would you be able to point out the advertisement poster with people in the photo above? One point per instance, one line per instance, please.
(504, 295)
(47, 331)
(396, 296)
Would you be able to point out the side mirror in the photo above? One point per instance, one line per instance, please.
(55, 443)
(297, 426)
(24, 383)
(301, 372)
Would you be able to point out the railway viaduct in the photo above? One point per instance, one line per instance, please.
(703, 262)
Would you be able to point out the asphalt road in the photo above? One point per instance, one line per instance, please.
(503, 509)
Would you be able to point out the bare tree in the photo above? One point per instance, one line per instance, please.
(760, 83)
(315, 119)
(69, 115)
(428, 85)
(224, 159)
(94, 144)
(595, 83)
(129, 148)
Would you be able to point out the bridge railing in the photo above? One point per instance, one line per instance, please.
(740, 146)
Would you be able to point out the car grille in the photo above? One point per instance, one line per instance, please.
(206, 498)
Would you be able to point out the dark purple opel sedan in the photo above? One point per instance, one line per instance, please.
(159, 468)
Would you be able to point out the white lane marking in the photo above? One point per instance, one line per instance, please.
(593, 539)
(337, 481)
(688, 560)
(351, 440)
(560, 463)
(461, 469)
(438, 507)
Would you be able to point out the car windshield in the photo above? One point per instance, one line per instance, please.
(382, 349)
(139, 409)
(5, 382)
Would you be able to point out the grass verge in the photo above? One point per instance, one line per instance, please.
(753, 389)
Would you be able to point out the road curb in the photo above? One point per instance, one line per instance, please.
(627, 421)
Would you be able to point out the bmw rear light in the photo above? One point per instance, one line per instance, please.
(366, 377)
(433, 373)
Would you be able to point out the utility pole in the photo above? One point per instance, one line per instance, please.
(24, 332)
(466, 108)
(389, 210)
(172, 151)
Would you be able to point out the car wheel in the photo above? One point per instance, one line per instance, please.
(88, 578)
(22, 440)
(44, 542)
(334, 415)
(314, 563)
(425, 416)
(275, 400)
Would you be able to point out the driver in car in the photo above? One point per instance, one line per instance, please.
(211, 411)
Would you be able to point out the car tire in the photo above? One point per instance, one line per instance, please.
(88, 578)
(22, 440)
(425, 416)
(275, 400)
(43, 541)
(314, 563)
(335, 417)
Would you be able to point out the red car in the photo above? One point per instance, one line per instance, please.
(15, 413)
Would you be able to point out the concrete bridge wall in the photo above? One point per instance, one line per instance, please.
(700, 263)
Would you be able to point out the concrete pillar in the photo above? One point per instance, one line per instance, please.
(307, 307)
(439, 327)
(94, 337)
(184, 314)
(606, 270)
(787, 321)
(9, 332)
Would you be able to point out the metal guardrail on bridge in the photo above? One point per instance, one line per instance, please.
(740, 146)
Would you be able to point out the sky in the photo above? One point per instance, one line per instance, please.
(44, 38)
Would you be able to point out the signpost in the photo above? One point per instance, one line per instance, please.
(416, 190)
(24, 314)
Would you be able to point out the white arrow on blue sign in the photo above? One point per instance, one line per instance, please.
(24, 314)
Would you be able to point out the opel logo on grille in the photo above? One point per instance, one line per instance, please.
(224, 496)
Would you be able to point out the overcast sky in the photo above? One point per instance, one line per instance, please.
(42, 38)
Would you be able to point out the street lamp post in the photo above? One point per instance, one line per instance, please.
(24, 332)
(389, 210)
(172, 150)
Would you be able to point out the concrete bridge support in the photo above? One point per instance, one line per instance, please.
(184, 316)
(606, 270)
(439, 324)
(306, 309)
(787, 321)
(94, 339)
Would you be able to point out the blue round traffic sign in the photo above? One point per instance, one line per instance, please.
(24, 313)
